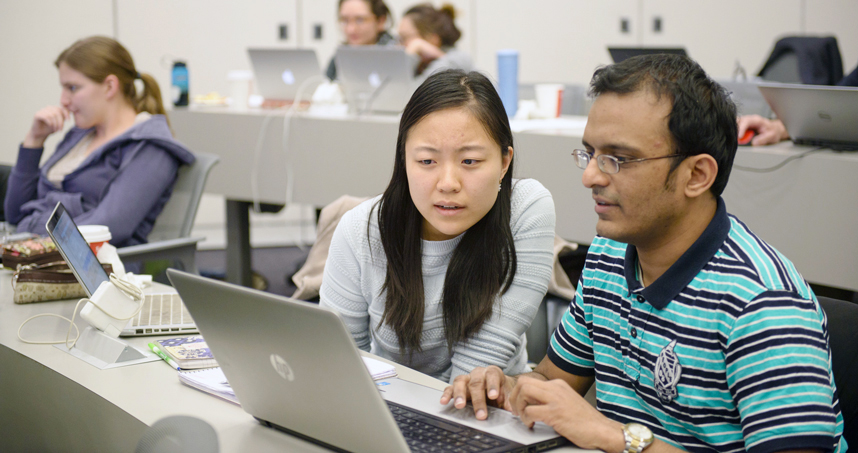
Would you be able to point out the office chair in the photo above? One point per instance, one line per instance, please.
(179, 434)
(5, 171)
(804, 59)
(170, 237)
(843, 339)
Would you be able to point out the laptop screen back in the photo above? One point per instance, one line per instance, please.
(280, 73)
(75, 250)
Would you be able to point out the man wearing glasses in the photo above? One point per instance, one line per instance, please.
(701, 336)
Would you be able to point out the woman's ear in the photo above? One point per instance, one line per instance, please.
(703, 170)
(506, 161)
(111, 85)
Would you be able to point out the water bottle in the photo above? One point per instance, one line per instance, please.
(180, 84)
(508, 80)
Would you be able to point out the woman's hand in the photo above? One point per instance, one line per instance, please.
(424, 49)
(46, 121)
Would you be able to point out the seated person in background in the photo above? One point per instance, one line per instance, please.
(445, 271)
(116, 166)
(364, 23)
(430, 35)
(693, 328)
(769, 131)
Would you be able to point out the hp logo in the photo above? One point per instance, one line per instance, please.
(282, 367)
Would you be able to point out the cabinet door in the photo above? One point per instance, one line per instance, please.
(720, 33)
(212, 37)
(838, 18)
(33, 35)
(560, 41)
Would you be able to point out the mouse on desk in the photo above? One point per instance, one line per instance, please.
(745, 140)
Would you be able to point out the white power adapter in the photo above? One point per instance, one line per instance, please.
(110, 308)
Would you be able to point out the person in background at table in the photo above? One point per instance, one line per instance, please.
(430, 35)
(116, 166)
(445, 271)
(769, 131)
(694, 329)
(364, 23)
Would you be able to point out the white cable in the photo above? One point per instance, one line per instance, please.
(131, 290)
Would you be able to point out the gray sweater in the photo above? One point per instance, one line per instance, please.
(353, 279)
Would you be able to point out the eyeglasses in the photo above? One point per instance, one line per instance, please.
(357, 20)
(609, 164)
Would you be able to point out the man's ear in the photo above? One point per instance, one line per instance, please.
(702, 172)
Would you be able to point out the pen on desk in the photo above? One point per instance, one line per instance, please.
(164, 356)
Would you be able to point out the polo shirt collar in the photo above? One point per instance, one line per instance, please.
(683, 271)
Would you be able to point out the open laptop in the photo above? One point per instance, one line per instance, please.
(746, 94)
(162, 314)
(619, 54)
(280, 73)
(375, 78)
(295, 367)
(816, 115)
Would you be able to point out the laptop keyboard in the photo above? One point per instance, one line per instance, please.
(161, 310)
(425, 433)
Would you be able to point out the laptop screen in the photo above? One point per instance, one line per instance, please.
(75, 250)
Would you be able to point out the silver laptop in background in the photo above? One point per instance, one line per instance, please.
(816, 115)
(161, 314)
(746, 94)
(295, 367)
(375, 78)
(279, 73)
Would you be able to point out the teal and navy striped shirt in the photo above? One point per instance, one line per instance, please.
(727, 351)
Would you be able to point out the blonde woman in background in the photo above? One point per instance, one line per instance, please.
(116, 166)
(430, 35)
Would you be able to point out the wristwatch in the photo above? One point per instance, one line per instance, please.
(638, 437)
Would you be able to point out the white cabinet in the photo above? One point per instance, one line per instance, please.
(562, 41)
(720, 33)
(212, 37)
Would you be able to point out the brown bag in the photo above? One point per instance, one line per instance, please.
(40, 250)
(45, 282)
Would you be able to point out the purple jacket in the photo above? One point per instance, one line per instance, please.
(124, 184)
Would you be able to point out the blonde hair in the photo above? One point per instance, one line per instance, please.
(97, 57)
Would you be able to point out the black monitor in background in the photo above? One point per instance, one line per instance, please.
(619, 54)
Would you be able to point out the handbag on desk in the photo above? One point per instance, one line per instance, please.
(41, 274)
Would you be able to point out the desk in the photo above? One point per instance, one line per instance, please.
(52, 401)
(808, 209)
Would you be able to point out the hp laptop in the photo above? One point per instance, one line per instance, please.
(816, 115)
(375, 78)
(162, 314)
(295, 367)
(281, 72)
(619, 54)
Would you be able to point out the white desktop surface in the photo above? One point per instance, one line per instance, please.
(808, 209)
(52, 401)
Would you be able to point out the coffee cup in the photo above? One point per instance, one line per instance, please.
(95, 235)
(549, 98)
(240, 86)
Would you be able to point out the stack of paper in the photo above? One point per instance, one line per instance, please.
(213, 381)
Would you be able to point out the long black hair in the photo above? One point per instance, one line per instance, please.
(484, 262)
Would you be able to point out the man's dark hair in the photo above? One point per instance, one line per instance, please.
(703, 118)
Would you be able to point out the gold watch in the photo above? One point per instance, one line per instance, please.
(638, 437)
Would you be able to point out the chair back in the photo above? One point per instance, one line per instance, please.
(177, 217)
(804, 59)
(843, 339)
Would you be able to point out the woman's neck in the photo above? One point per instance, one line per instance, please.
(116, 121)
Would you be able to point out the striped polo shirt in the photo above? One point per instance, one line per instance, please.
(727, 351)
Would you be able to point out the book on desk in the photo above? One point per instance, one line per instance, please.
(186, 353)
